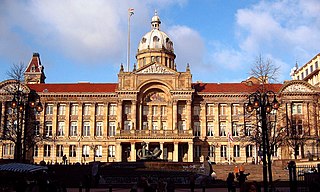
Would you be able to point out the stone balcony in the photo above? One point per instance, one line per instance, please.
(186, 134)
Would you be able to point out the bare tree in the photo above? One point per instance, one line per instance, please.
(20, 119)
(264, 70)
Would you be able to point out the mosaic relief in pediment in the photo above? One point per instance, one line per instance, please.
(12, 87)
(297, 88)
(156, 69)
(155, 97)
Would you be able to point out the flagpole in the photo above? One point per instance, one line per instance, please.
(128, 51)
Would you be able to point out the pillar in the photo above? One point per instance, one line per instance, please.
(118, 152)
(174, 115)
(190, 152)
(203, 119)
(175, 152)
(161, 147)
(119, 114)
(134, 114)
(133, 152)
(189, 115)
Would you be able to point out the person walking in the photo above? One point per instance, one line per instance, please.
(231, 183)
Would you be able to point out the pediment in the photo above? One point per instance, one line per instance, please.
(155, 68)
(298, 87)
(11, 86)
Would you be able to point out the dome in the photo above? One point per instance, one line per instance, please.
(155, 39)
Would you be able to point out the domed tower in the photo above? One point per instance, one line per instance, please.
(156, 47)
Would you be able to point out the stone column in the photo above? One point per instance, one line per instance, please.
(174, 115)
(133, 152)
(140, 116)
(203, 119)
(134, 114)
(118, 152)
(119, 116)
(190, 152)
(150, 114)
(161, 147)
(106, 120)
(189, 115)
(175, 151)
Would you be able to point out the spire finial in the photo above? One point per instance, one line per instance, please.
(155, 12)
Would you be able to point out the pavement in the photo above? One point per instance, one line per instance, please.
(281, 189)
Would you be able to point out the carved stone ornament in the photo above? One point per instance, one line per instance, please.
(155, 69)
(297, 88)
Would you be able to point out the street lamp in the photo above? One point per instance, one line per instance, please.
(23, 103)
(259, 101)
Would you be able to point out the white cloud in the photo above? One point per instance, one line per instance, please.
(188, 45)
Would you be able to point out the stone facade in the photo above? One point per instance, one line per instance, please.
(156, 104)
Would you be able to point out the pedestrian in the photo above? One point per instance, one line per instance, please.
(64, 159)
(231, 183)
(192, 182)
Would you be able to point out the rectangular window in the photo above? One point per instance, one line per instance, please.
(98, 152)
(196, 110)
(181, 125)
(196, 129)
(59, 150)
(99, 127)
(112, 129)
(37, 128)
(60, 131)
(307, 73)
(296, 108)
(8, 149)
(223, 151)
(311, 68)
(86, 129)
(235, 131)
(74, 109)
(111, 151)
(197, 151)
(211, 151)
(316, 64)
(302, 76)
(154, 110)
(154, 125)
(113, 109)
(99, 109)
(248, 129)
(236, 151)
(145, 125)
(127, 109)
(62, 109)
(222, 109)
(145, 110)
(235, 109)
(36, 151)
(181, 109)
(86, 109)
(164, 125)
(48, 129)
(127, 125)
(163, 110)
(49, 109)
(210, 131)
(85, 151)
(249, 149)
(73, 128)
(222, 128)
(47, 150)
(72, 151)
(210, 109)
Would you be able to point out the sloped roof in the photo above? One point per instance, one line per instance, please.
(232, 87)
(74, 87)
(21, 167)
(35, 61)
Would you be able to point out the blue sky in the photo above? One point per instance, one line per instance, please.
(84, 40)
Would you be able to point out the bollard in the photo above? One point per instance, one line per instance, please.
(110, 188)
(292, 176)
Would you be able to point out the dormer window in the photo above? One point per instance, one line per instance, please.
(156, 39)
(33, 68)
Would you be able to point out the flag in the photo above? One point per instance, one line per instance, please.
(130, 11)
(230, 138)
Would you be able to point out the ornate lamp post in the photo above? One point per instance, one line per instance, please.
(259, 101)
(23, 103)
